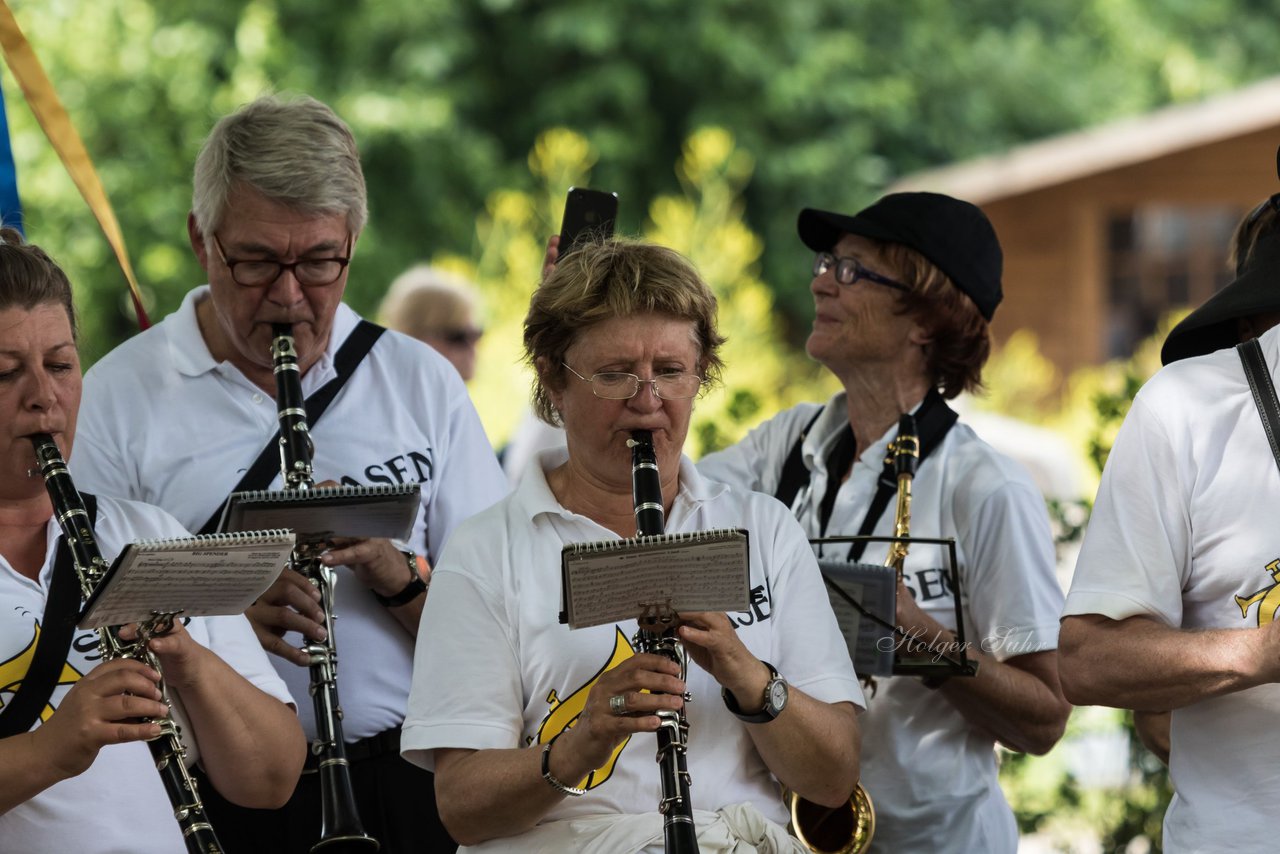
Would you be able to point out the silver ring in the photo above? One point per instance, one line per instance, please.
(618, 704)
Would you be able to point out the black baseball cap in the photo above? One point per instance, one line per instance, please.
(954, 235)
(1212, 326)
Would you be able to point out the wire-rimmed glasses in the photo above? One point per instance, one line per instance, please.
(619, 385)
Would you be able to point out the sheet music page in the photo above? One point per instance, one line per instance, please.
(329, 511)
(615, 580)
(874, 587)
(199, 576)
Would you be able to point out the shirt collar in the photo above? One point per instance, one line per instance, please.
(191, 357)
(536, 498)
(827, 429)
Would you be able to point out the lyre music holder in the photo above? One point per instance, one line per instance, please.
(863, 596)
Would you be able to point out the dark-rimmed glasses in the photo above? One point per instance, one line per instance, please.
(849, 270)
(310, 272)
(618, 385)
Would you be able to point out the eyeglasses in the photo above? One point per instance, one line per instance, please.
(461, 337)
(310, 272)
(848, 271)
(616, 385)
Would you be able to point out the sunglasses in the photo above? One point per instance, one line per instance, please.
(461, 337)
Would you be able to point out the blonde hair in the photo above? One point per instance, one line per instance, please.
(607, 278)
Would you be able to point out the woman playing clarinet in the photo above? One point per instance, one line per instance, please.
(543, 738)
(78, 776)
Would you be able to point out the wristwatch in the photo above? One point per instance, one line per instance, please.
(775, 699)
(411, 590)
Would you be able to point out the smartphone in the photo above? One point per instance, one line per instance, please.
(586, 212)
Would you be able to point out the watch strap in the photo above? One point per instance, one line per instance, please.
(410, 591)
(765, 714)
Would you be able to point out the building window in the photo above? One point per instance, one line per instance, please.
(1161, 258)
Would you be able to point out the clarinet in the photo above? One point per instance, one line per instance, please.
(673, 730)
(340, 827)
(166, 749)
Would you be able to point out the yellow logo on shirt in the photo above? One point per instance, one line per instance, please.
(13, 671)
(1269, 597)
(563, 714)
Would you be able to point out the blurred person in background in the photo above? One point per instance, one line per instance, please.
(438, 308)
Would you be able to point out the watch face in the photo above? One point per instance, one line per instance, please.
(777, 696)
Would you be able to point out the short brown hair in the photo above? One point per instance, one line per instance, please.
(604, 279)
(961, 337)
(29, 277)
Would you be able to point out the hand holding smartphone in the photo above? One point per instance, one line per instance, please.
(586, 213)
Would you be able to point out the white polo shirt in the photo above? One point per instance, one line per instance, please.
(932, 776)
(494, 668)
(162, 421)
(119, 803)
(1185, 531)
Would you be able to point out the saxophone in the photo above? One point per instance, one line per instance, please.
(166, 749)
(850, 828)
(678, 829)
(340, 827)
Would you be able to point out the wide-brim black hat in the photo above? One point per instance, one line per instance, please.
(1212, 326)
(954, 235)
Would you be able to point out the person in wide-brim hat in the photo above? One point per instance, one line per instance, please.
(1246, 307)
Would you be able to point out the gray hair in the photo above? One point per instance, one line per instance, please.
(294, 152)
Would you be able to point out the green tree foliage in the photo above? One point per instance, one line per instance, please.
(704, 222)
(832, 100)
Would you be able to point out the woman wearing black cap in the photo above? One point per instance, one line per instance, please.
(903, 294)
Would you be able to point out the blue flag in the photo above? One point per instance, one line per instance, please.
(10, 207)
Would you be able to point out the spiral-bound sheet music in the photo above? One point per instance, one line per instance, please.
(611, 580)
(200, 576)
(327, 511)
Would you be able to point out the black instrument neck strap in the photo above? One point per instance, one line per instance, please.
(1264, 391)
(934, 419)
(267, 465)
(54, 639)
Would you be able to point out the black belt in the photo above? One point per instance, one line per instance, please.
(387, 741)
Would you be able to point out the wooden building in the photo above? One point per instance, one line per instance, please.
(1107, 229)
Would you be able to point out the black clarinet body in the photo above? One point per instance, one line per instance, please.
(679, 832)
(340, 828)
(166, 749)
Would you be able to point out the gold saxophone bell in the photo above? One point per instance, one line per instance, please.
(846, 829)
